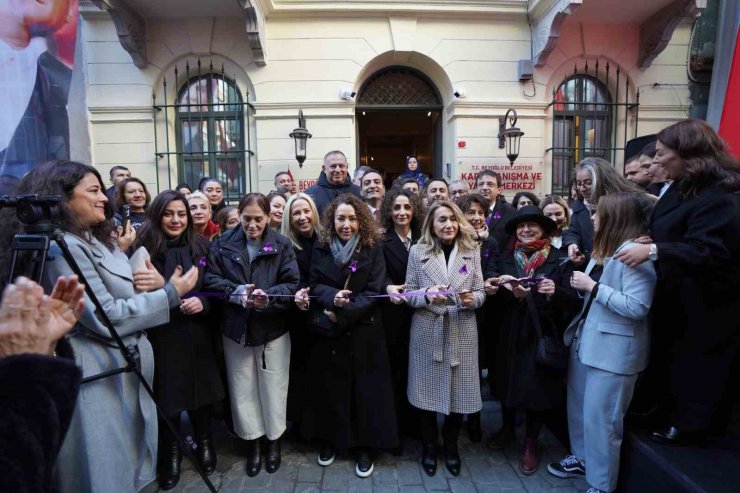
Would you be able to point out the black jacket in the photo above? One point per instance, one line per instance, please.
(517, 379)
(351, 403)
(696, 306)
(497, 220)
(324, 192)
(37, 398)
(581, 230)
(273, 270)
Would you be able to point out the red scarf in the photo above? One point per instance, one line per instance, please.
(531, 256)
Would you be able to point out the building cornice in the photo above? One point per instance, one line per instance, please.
(346, 8)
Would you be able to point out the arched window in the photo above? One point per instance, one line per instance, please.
(210, 133)
(582, 127)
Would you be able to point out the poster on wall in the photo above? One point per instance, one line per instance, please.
(524, 176)
(37, 45)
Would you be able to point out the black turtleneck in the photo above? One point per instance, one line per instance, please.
(447, 249)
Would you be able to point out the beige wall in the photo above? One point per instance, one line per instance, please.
(310, 60)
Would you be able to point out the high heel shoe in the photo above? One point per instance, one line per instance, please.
(452, 458)
(429, 458)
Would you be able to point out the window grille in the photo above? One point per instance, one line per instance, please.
(211, 123)
(585, 120)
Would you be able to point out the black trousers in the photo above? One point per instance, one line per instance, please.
(430, 429)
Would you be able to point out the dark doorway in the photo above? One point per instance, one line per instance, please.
(399, 114)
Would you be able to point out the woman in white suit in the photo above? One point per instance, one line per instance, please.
(443, 346)
(609, 342)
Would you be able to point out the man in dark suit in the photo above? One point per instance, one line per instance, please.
(333, 181)
(489, 186)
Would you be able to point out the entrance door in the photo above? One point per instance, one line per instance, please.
(399, 114)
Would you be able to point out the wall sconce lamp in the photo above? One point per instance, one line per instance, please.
(509, 138)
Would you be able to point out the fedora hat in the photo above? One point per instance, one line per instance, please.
(532, 214)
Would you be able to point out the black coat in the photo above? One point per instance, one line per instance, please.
(698, 240)
(581, 230)
(273, 269)
(518, 380)
(351, 404)
(324, 192)
(397, 324)
(300, 338)
(497, 220)
(37, 398)
(186, 374)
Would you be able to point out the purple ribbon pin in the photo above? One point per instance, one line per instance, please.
(268, 248)
(353, 266)
(464, 269)
(497, 215)
(202, 261)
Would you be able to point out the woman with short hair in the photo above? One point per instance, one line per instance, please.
(213, 189)
(256, 268)
(443, 350)
(200, 210)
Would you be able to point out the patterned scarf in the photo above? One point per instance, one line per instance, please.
(530, 257)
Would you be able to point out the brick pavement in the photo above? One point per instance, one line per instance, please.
(482, 469)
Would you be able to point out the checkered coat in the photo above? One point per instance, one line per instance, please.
(443, 350)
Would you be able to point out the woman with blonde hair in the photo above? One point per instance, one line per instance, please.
(443, 347)
(557, 209)
(300, 226)
(200, 210)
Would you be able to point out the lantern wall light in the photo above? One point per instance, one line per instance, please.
(300, 135)
(509, 138)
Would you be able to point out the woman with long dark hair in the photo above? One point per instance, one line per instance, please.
(186, 376)
(401, 216)
(694, 245)
(351, 404)
(443, 349)
(111, 444)
(132, 192)
(256, 267)
(609, 341)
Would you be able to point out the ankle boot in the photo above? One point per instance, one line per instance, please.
(452, 458)
(169, 465)
(429, 458)
(272, 455)
(206, 455)
(254, 457)
(475, 433)
(529, 461)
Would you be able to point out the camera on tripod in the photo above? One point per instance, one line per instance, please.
(33, 210)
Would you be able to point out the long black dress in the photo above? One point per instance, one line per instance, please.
(186, 372)
(351, 395)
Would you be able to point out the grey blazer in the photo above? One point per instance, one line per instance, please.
(615, 336)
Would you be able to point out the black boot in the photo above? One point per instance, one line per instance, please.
(272, 455)
(474, 430)
(429, 458)
(254, 457)
(169, 465)
(452, 458)
(205, 453)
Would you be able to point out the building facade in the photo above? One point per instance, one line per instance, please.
(177, 89)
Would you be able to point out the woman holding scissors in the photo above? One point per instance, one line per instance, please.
(535, 301)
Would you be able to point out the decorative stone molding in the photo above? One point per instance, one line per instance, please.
(130, 27)
(657, 30)
(252, 19)
(546, 18)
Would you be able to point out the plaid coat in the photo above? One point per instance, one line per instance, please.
(443, 350)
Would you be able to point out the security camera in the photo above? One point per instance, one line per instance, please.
(347, 94)
(459, 92)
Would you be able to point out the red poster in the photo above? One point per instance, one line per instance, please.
(37, 45)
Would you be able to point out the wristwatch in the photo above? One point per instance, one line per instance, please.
(653, 252)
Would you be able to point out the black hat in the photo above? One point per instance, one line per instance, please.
(531, 213)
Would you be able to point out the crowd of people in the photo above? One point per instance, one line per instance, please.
(356, 315)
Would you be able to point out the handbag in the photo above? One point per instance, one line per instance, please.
(550, 350)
